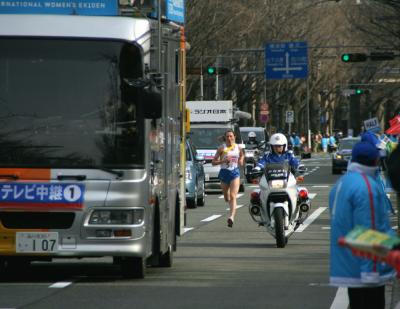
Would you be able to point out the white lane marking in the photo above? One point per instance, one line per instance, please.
(237, 207)
(60, 285)
(237, 196)
(187, 229)
(211, 218)
(326, 227)
(312, 195)
(310, 219)
(320, 186)
(253, 186)
(341, 300)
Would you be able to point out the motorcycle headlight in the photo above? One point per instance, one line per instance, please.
(249, 154)
(338, 156)
(277, 184)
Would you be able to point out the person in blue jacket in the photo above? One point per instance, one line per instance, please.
(279, 153)
(358, 199)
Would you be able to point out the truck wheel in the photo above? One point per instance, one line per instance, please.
(133, 267)
(165, 259)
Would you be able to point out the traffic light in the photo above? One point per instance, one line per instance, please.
(373, 56)
(361, 91)
(354, 57)
(213, 70)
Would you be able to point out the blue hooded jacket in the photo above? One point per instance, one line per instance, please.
(349, 205)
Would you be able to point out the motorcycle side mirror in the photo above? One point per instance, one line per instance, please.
(254, 175)
(301, 169)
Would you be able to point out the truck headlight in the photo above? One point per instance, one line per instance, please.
(117, 216)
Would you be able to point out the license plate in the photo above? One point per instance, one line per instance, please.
(36, 242)
(207, 177)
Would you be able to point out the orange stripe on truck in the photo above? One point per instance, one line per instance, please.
(25, 173)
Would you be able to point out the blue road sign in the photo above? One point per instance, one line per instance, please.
(286, 60)
(61, 7)
(176, 10)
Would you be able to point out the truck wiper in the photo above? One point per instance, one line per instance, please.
(108, 170)
(81, 177)
(71, 177)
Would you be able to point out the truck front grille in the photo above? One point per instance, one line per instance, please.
(37, 220)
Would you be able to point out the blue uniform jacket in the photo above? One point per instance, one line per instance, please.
(349, 205)
(272, 157)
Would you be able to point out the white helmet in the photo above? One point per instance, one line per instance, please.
(278, 139)
(252, 134)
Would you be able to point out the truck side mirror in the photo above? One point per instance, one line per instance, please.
(149, 95)
(152, 102)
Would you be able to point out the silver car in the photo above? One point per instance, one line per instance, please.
(195, 177)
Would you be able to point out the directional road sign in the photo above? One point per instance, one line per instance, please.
(286, 60)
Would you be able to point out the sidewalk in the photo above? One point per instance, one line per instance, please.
(393, 295)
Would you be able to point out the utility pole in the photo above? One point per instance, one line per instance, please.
(308, 115)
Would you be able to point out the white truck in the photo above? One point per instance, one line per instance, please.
(209, 121)
(90, 134)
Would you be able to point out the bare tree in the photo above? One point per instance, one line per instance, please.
(234, 33)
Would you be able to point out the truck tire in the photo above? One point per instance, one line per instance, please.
(133, 267)
(165, 259)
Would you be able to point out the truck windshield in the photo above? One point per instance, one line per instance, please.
(64, 103)
(207, 138)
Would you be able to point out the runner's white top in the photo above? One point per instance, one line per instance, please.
(233, 153)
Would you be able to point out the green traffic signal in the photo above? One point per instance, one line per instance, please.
(359, 91)
(345, 57)
(354, 57)
(211, 70)
(220, 70)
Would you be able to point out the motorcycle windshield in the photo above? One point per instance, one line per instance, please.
(277, 171)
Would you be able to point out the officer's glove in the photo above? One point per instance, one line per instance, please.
(256, 169)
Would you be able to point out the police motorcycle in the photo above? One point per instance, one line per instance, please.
(253, 150)
(279, 204)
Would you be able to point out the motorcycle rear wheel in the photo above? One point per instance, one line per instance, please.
(280, 228)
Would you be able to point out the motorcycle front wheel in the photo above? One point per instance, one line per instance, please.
(279, 227)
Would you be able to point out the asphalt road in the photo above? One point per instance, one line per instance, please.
(214, 266)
